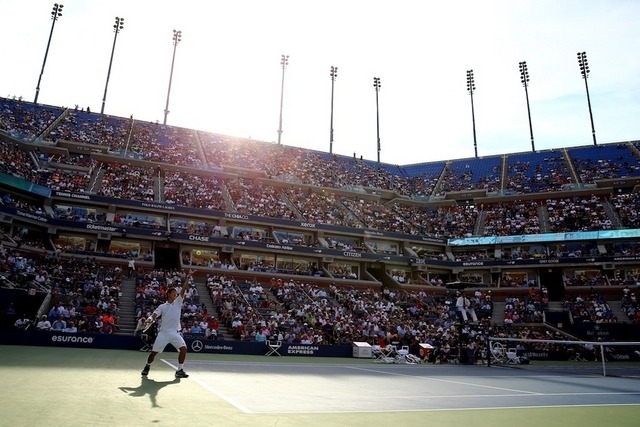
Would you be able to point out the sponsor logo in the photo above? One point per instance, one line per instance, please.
(198, 238)
(307, 225)
(536, 354)
(218, 347)
(73, 195)
(352, 254)
(549, 261)
(72, 338)
(302, 349)
(373, 233)
(101, 227)
(31, 216)
(283, 247)
(627, 258)
(197, 346)
(432, 239)
(236, 216)
(472, 263)
(158, 206)
(621, 357)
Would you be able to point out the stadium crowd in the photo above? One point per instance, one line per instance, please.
(153, 162)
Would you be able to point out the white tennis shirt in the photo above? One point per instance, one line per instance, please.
(170, 313)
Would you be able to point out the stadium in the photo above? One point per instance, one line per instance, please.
(339, 290)
(545, 239)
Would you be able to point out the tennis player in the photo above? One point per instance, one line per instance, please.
(169, 331)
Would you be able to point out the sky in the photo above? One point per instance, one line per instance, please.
(227, 76)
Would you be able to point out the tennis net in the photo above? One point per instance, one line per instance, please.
(573, 357)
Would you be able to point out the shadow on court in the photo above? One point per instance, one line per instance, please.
(150, 388)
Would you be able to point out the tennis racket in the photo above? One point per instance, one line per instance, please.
(147, 325)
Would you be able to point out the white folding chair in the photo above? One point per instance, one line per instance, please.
(498, 353)
(389, 354)
(512, 356)
(376, 353)
(273, 347)
(401, 355)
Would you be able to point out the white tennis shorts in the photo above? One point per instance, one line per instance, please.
(168, 337)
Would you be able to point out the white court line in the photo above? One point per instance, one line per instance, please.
(449, 381)
(215, 391)
(484, 408)
(520, 393)
(324, 366)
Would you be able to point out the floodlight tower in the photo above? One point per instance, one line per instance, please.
(334, 74)
(471, 87)
(55, 14)
(117, 27)
(177, 37)
(284, 61)
(376, 86)
(584, 71)
(524, 78)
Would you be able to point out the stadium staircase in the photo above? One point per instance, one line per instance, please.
(198, 144)
(618, 312)
(52, 126)
(543, 216)
(479, 227)
(96, 179)
(380, 274)
(611, 214)
(126, 313)
(158, 185)
(572, 169)
(127, 321)
(205, 298)
(497, 314)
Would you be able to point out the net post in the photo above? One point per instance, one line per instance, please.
(604, 366)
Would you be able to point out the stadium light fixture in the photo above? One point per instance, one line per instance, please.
(524, 78)
(117, 27)
(55, 14)
(376, 86)
(471, 87)
(284, 61)
(334, 74)
(584, 71)
(177, 37)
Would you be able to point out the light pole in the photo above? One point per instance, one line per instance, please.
(524, 78)
(284, 61)
(177, 37)
(119, 25)
(55, 14)
(584, 71)
(471, 87)
(376, 86)
(334, 75)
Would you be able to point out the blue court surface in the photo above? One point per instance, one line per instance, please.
(280, 388)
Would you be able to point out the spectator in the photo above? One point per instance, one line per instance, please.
(43, 324)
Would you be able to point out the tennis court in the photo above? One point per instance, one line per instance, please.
(44, 386)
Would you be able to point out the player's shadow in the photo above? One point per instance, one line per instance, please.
(150, 388)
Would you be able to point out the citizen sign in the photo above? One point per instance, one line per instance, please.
(352, 254)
